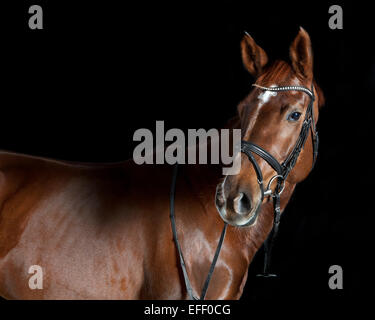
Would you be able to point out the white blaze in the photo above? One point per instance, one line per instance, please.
(265, 96)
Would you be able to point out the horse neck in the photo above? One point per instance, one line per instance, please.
(203, 180)
(243, 243)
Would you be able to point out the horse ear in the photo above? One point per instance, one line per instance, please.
(253, 57)
(320, 94)
(301, 55)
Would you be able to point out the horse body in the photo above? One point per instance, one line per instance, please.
(103, 231)
(67, 219)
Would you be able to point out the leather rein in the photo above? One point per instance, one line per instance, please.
(282, 169)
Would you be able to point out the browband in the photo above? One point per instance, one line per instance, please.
(287, 88)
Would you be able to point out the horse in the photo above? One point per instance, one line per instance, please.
(102, 231)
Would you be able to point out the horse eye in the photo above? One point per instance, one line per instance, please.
(294, 116)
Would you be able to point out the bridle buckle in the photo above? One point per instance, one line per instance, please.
(269, 192)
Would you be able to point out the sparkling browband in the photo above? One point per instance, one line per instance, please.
(286, 88)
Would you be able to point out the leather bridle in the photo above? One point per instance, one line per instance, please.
(282, 171)
(284, 168)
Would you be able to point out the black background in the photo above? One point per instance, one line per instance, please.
(78, 90)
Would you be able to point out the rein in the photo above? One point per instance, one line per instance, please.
(282, 171)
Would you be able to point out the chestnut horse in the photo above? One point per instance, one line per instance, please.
(103, 231)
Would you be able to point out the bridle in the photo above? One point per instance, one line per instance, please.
(284, 168)
(282, 171)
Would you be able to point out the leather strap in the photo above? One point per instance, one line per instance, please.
(213, 264)
(247, 147)
(269, 243)
(189, 289)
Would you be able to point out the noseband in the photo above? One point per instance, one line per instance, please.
(282, 169)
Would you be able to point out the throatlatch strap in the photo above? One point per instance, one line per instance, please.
(189, 288)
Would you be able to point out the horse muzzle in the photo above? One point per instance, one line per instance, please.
(238, 209)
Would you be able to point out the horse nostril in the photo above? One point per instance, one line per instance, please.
(242, 204)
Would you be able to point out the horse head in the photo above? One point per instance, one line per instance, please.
(272, 120)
